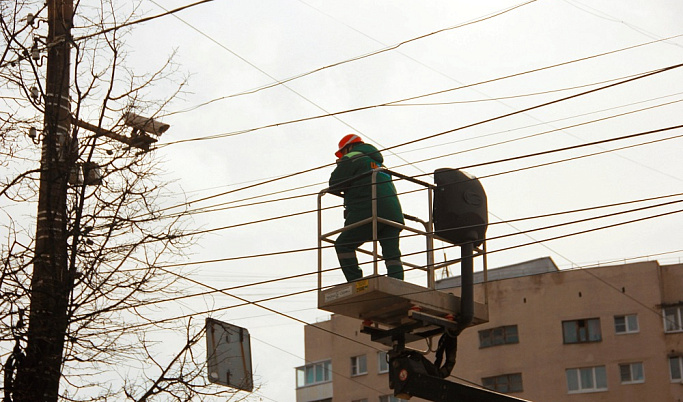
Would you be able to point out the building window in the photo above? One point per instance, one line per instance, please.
(390, 398)
(672, 319)
(505, 384)
(676, 368)
(314, 373)
(359, 365)
(587, 379)
(631, 373)
(382, 362)
(580, 331)
(626, 324)
(360, 400)
(498, 336)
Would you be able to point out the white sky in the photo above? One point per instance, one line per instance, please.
(233, 46)
(228, 47)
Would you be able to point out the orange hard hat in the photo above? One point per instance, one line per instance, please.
(348, 139)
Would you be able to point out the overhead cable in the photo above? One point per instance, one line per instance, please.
(356, 58)
(230, 204)
(393, 103)
(509, 159)
(527, 218)
(644, 75)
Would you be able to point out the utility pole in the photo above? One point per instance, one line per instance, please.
(39, 372)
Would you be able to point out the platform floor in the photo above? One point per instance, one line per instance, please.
(386, 301)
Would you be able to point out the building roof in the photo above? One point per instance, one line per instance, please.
(532, 267)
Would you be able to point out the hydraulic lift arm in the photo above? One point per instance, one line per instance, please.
(395, 312)
(410, 374)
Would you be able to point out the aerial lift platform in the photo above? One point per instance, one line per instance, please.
(395, 312)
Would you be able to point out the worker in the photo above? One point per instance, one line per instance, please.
(355, 158)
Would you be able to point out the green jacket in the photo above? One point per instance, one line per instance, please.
(358, 193)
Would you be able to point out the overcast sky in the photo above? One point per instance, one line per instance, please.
(461, 84)
(485, 60)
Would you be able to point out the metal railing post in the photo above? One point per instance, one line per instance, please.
(431, 282)
(320, 241)
(375, 254)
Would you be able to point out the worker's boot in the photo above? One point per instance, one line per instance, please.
(395, 269)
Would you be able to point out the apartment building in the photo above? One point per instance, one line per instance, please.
(608, 333)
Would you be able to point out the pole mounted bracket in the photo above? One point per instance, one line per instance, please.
(141, 137)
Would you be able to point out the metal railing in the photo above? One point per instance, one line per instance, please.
(375, 220)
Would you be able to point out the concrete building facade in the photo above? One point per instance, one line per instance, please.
(610, 333)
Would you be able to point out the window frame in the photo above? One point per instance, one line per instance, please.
(679, 368)
(585, 389)
(627, 327)
(631, 379)
(509, 336)
(677, 321)
(325, 370)
(578, 331)
(356, 367)
(508, 380)
(382, 360)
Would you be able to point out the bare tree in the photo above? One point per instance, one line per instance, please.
(115, 232)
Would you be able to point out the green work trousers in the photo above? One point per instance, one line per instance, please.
(348, 241)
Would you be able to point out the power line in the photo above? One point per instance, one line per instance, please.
(107, 30)
(300, 95)
(202, 2)
(566, 118)
(289, 316)
(601, 14)
(499, 100)
(203, 209)
(557, 237)
(233, 226)
(353, 340)
(396, 102)
(592, 218)
(531, 155)
(482, 177)
(572, 147)
(584, 156)
(246, 302)
(547, 132)
(142, 20)
(301, 75)
(644, 75)
(490, 239)
(524, 95)
(318, 10)
(229, 204)
(493, 238)
(406, 161)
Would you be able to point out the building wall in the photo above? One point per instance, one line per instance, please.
(672, 294)
(317, 339)
(353, 343)
(538, 304)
